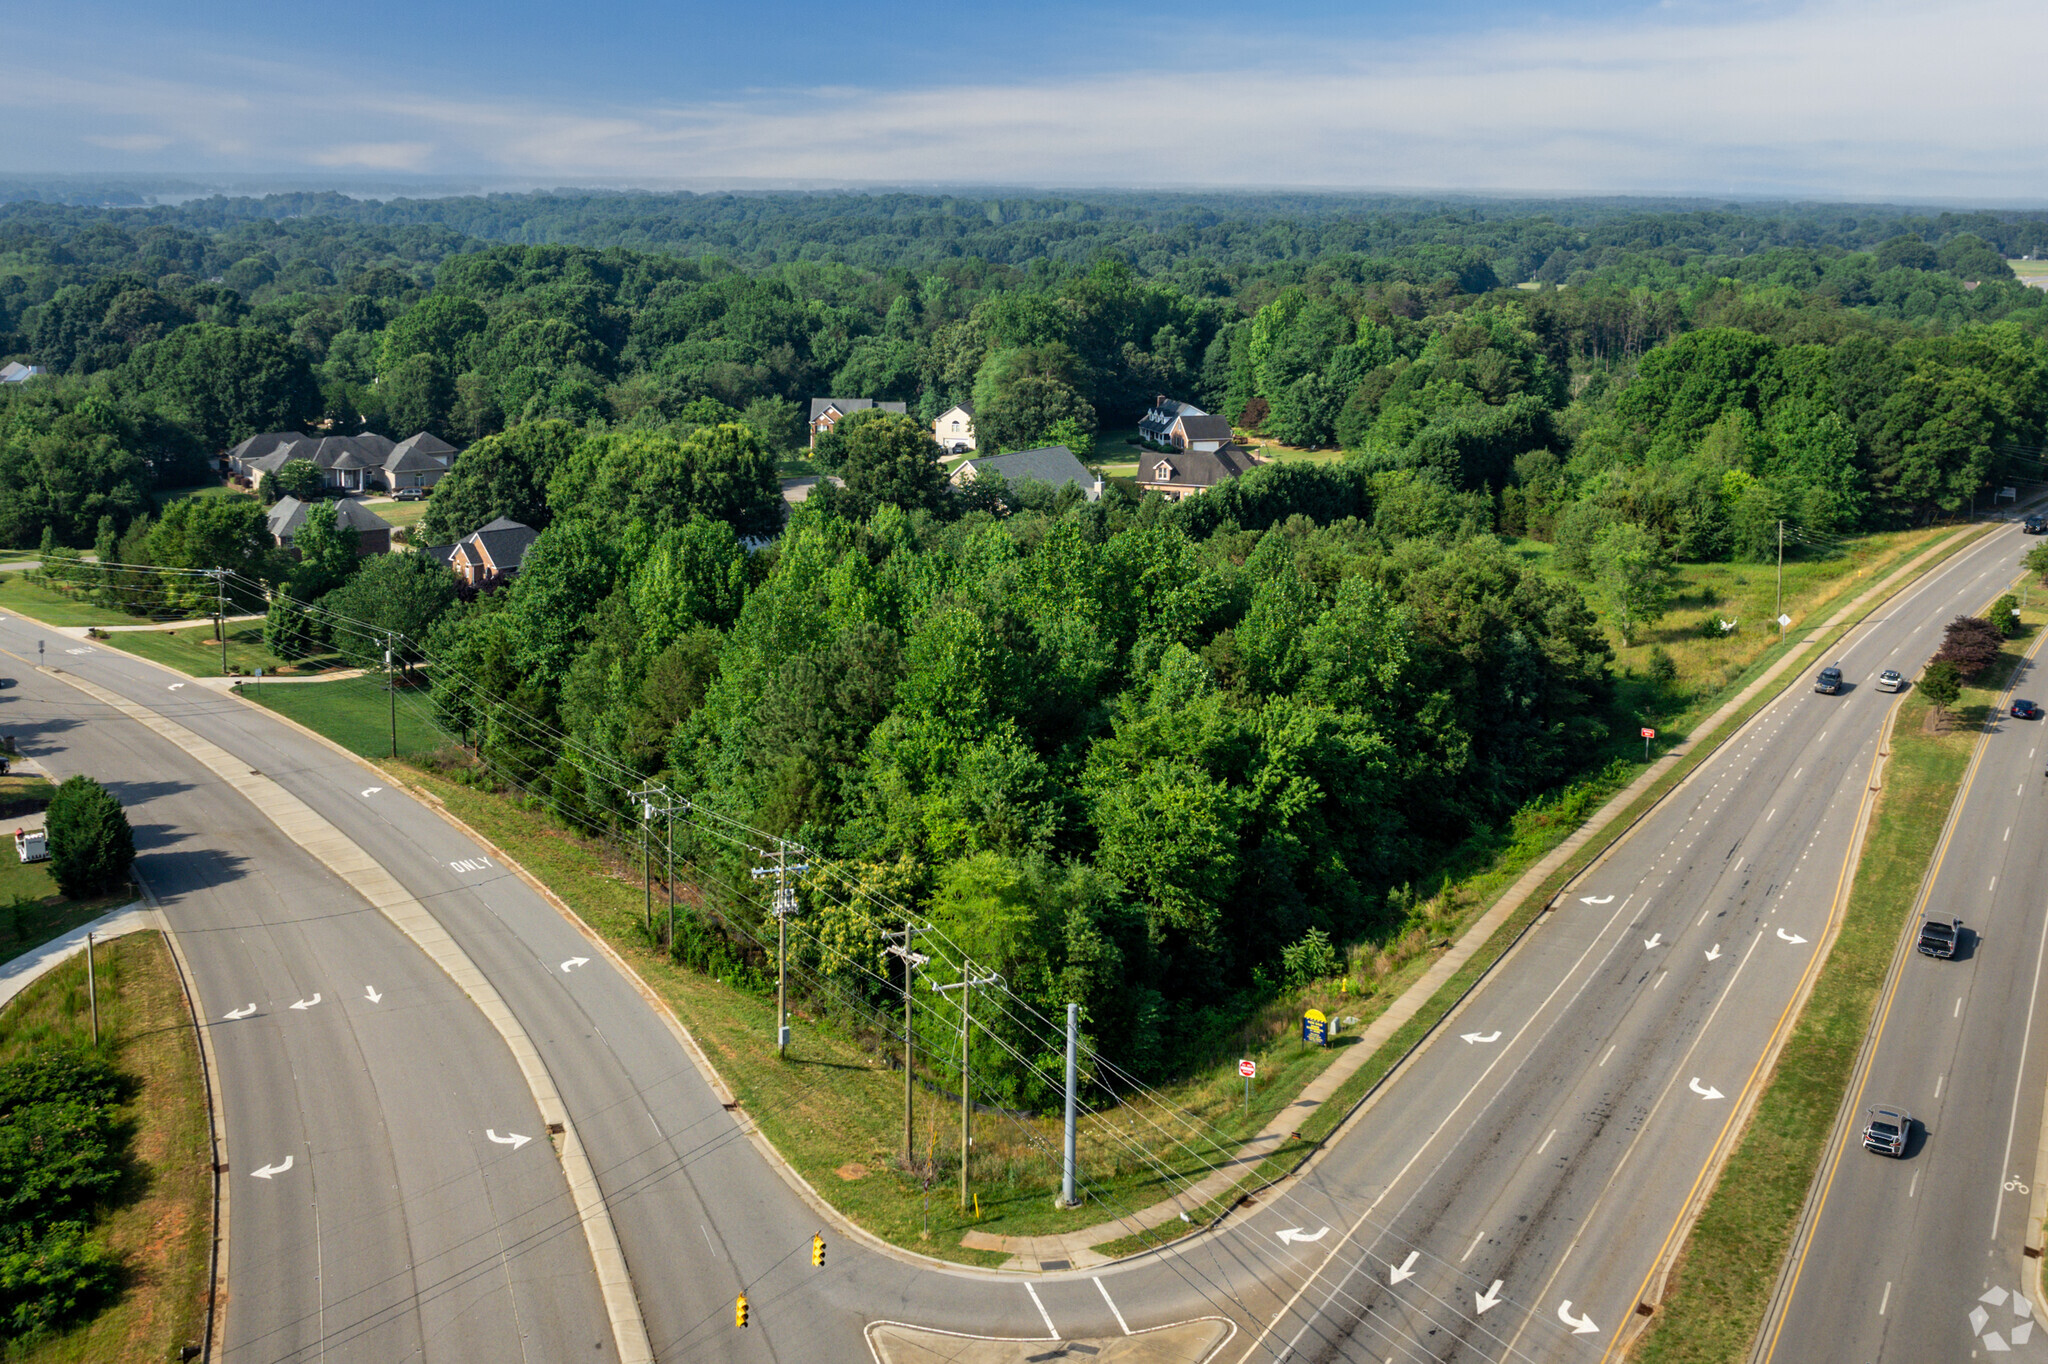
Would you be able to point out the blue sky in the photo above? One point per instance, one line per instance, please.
(1884, 99)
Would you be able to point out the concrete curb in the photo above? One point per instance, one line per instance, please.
(368, 878)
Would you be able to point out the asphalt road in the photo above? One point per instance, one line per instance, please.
(1546, 1161)
(1903, 1252)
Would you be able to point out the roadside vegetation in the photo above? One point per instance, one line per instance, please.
(195, 651)
(33, 907)
(105, 1165)
(1722, 1281)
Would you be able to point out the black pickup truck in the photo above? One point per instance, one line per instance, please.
(1938, 937)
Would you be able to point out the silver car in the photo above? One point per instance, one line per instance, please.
(1889, 680)
(1886, 1131)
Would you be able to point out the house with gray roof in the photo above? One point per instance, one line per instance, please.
(1156, 426)
(826, 412)
(14, 372)
(1179, 474)
(418, 461)
(256, 447)
(364, 462)
(490, 553)
(1199, 431)
(373, 532)
(1053, 464)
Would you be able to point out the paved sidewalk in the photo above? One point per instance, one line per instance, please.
(31, 966)
(1076, 1248)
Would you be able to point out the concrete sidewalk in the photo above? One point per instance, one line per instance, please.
(1076, 1248)
(31, 966)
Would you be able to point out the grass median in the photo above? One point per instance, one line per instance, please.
(1721, 1283)
(195, 650)
(159, 1220)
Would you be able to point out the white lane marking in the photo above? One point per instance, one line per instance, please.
(371, 792)
(1113, 1307)
(1994, 884)
(1493, 1036)
(174, 686)
(269, 1170)
(1653, 940)
(1772, 815)
(511, 1139)
(2008, 835)
(1714, 952)
(1660, 979)
(242, 1012)
(1043, 1315)
(1293, 1234)
(1610, 1052)
(308, 1003)
(2020, 1071)
(1580, 1325)
(1911, 1189)
(472, 864)
(1703, 916)
(1959, 1008)
(1709, 1092)
(1937, 1085)
(1885, 1301)
(1474, 1246)
(574, 961)
(1790, 937)
(1589, 900)
(370, 993)
(1546, 1141)
(1404, 1270)
(1490, 1298)
(1796, 775)
(1740, 860)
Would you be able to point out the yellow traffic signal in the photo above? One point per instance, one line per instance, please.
(818, 1250)
(739, 1311)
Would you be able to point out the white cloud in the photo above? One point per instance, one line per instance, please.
(1885, 99)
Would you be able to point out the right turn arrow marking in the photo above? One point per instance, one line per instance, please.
(242, 1012)
(1404, 1270)
(574, 961)
(1493, 1036)
(1589, 900)
(269, 1170)
(1708, 1092)
(1580, 1325)
(1790, 937)
(1490, 1298)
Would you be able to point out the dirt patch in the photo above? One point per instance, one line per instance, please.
(851, 1171)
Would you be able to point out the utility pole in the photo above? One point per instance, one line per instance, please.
(782, 907)
(92, 990)
(647, 796)
(1073, 1046)
(220, 616)
(390, 688)
(911, 961)
(1781, 573)
(965, 985)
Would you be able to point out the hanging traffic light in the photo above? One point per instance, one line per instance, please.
(739, 1311)
(818, 1250)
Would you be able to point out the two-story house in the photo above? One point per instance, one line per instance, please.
(1156, 427)
(1179, 474)
(954, 429)
(827, 412)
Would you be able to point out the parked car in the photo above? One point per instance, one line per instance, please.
(1938, 937)
(409, 495)
(2034, 525)
(1829, 682)
(1889, 680)
(1885, 1131)
(2025, 710)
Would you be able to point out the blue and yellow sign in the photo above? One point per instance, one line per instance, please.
(1315, 1027)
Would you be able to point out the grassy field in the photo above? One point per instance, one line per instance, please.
(195, 651)
(397, 513)
(222, 489)
(355, 712)
(2029, 269)
(24, 598)
(161, 1220)
(1728, 1267)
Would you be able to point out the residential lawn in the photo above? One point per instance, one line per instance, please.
(398, 513)
(161, 1220)
(1729, 1266)
(220, 489)
(195, 651)
(355, 712)
(2029, 269)
(1289, 454)
(24, 598)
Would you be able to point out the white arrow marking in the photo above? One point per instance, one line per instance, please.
(1653, 940)
(1490, 1298)
(1493, 1036)
(242, 1012)
(511, 1139)
(174, 686)
(269, 1170)
(1715, 953)
(1580, 1325)
(371, 791)
(1293, 1234)
(1790, 937)
(574, 961)
(1589, 900)
(1707, 1093)
(372, 995)
(308, 1003)
(1404, 1270)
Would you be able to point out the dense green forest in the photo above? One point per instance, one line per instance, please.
(1125, 751)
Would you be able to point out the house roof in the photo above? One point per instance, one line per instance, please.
(1195, 468)
(14, 372)
(408, 453)
(966, 408)
(843, 406)
(289, 514)
(1054, 464)
(1202, 426)
(256, 447)
(504, 540)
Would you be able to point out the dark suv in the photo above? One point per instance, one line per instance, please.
(1829, 682)
(1938, 937)
(2034, 525)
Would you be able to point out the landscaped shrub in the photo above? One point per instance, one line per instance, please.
(63, 1153)
(91, 845)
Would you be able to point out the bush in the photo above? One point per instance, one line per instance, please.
(1971, 643)
(1941, 682)
(51, 1280)
(91, 845)
(1310, 959)
(63, 1153)
(1663, 668)
(2005, 614)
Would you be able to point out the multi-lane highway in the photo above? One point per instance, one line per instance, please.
(1925, 1257)
(1510, 1193)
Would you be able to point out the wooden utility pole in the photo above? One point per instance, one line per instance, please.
(965, 985)
(911, 961)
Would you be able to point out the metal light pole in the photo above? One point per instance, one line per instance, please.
(911, 961)
(1073, 1046)
(965, 985)
(92, 990)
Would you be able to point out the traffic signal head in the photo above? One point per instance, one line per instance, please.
(818, 1250)
(739, 1310)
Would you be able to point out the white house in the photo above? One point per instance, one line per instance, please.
(954, 429)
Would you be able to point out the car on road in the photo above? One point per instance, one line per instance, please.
(410, 495)
(2034, 525)
(1830, 680)
(1939, 937)
(1890, 680)
(1885, 1131)
(2025, 710)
